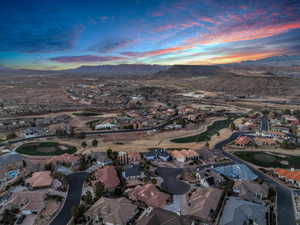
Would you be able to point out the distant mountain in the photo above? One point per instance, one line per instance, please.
(283, 61)
(182, 71)
(123, 69)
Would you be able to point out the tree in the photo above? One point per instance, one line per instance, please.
(232, 126)
(49, 166)
(99, 190)
(83, 144)
(109, 153)
(81, 135)
(11, 135)
(88, 198)
(153, 181)
(95, 143)
(207, 145)
(78, 214)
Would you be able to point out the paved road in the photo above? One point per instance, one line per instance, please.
(75, 189)
(264, 124)
(171, 184)
(285, 208)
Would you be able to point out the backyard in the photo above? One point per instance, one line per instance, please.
(45, 149)
(205, 136)
(270, 160)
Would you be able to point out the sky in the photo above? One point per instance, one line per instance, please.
(63, 34)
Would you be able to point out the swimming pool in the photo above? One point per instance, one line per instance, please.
(12, 174)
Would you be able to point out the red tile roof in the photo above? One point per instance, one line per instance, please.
(108, 176)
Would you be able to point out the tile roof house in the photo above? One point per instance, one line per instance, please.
(129, 157)
(265, 141)
(132, 172)
(236, 171)
(288, 175)
(203, 203)
(65, 158)
(243, 141)
(117, 211)
(241, 212)
(101, 158)
(149, 194)
(209, 178)
(40, 179)
(250, 191)
(157, 216)
(184, 155)
(107, 176)
(28, 201)
(10, 161)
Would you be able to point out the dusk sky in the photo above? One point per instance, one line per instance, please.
(61, 34)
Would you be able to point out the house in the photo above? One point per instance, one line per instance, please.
(203, 203)
(250, 191)
(129, 157)
(10, 161)
(264, 141)
(209, 178)
(148, 194)
(150, 155)
(184, 155)
(132, 172)
(288, 176)
(34, 132)
(158, 216)
(27, 201)
(101, 158)
(105, 126)
(157, 154)
(108, 176)
(241, 212)
(41, 179)
(64, 159)
(116, 211)
(243, 141)
(236, 171)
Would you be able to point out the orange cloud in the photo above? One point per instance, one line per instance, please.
(237, 57)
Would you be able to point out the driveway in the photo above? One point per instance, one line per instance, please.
(75, 181)
(171, 184)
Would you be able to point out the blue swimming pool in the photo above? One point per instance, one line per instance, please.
(12, 174)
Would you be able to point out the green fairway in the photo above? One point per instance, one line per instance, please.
(205, 136)
(267, 160)
(45, 149)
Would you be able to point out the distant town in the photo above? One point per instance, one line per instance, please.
(147, 152)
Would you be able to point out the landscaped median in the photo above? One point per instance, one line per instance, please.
(45, 149)
(265, 159)
(210, 131)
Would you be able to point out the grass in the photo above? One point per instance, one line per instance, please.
(266, 160)
(44, 149)
(205, 136)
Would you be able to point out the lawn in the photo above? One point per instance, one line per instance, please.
(45, 149)
(267, 160)
(205, 136)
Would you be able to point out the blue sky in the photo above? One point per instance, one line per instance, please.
(60, 34)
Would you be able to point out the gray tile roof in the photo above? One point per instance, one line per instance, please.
(10, 158)
(237, 212)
